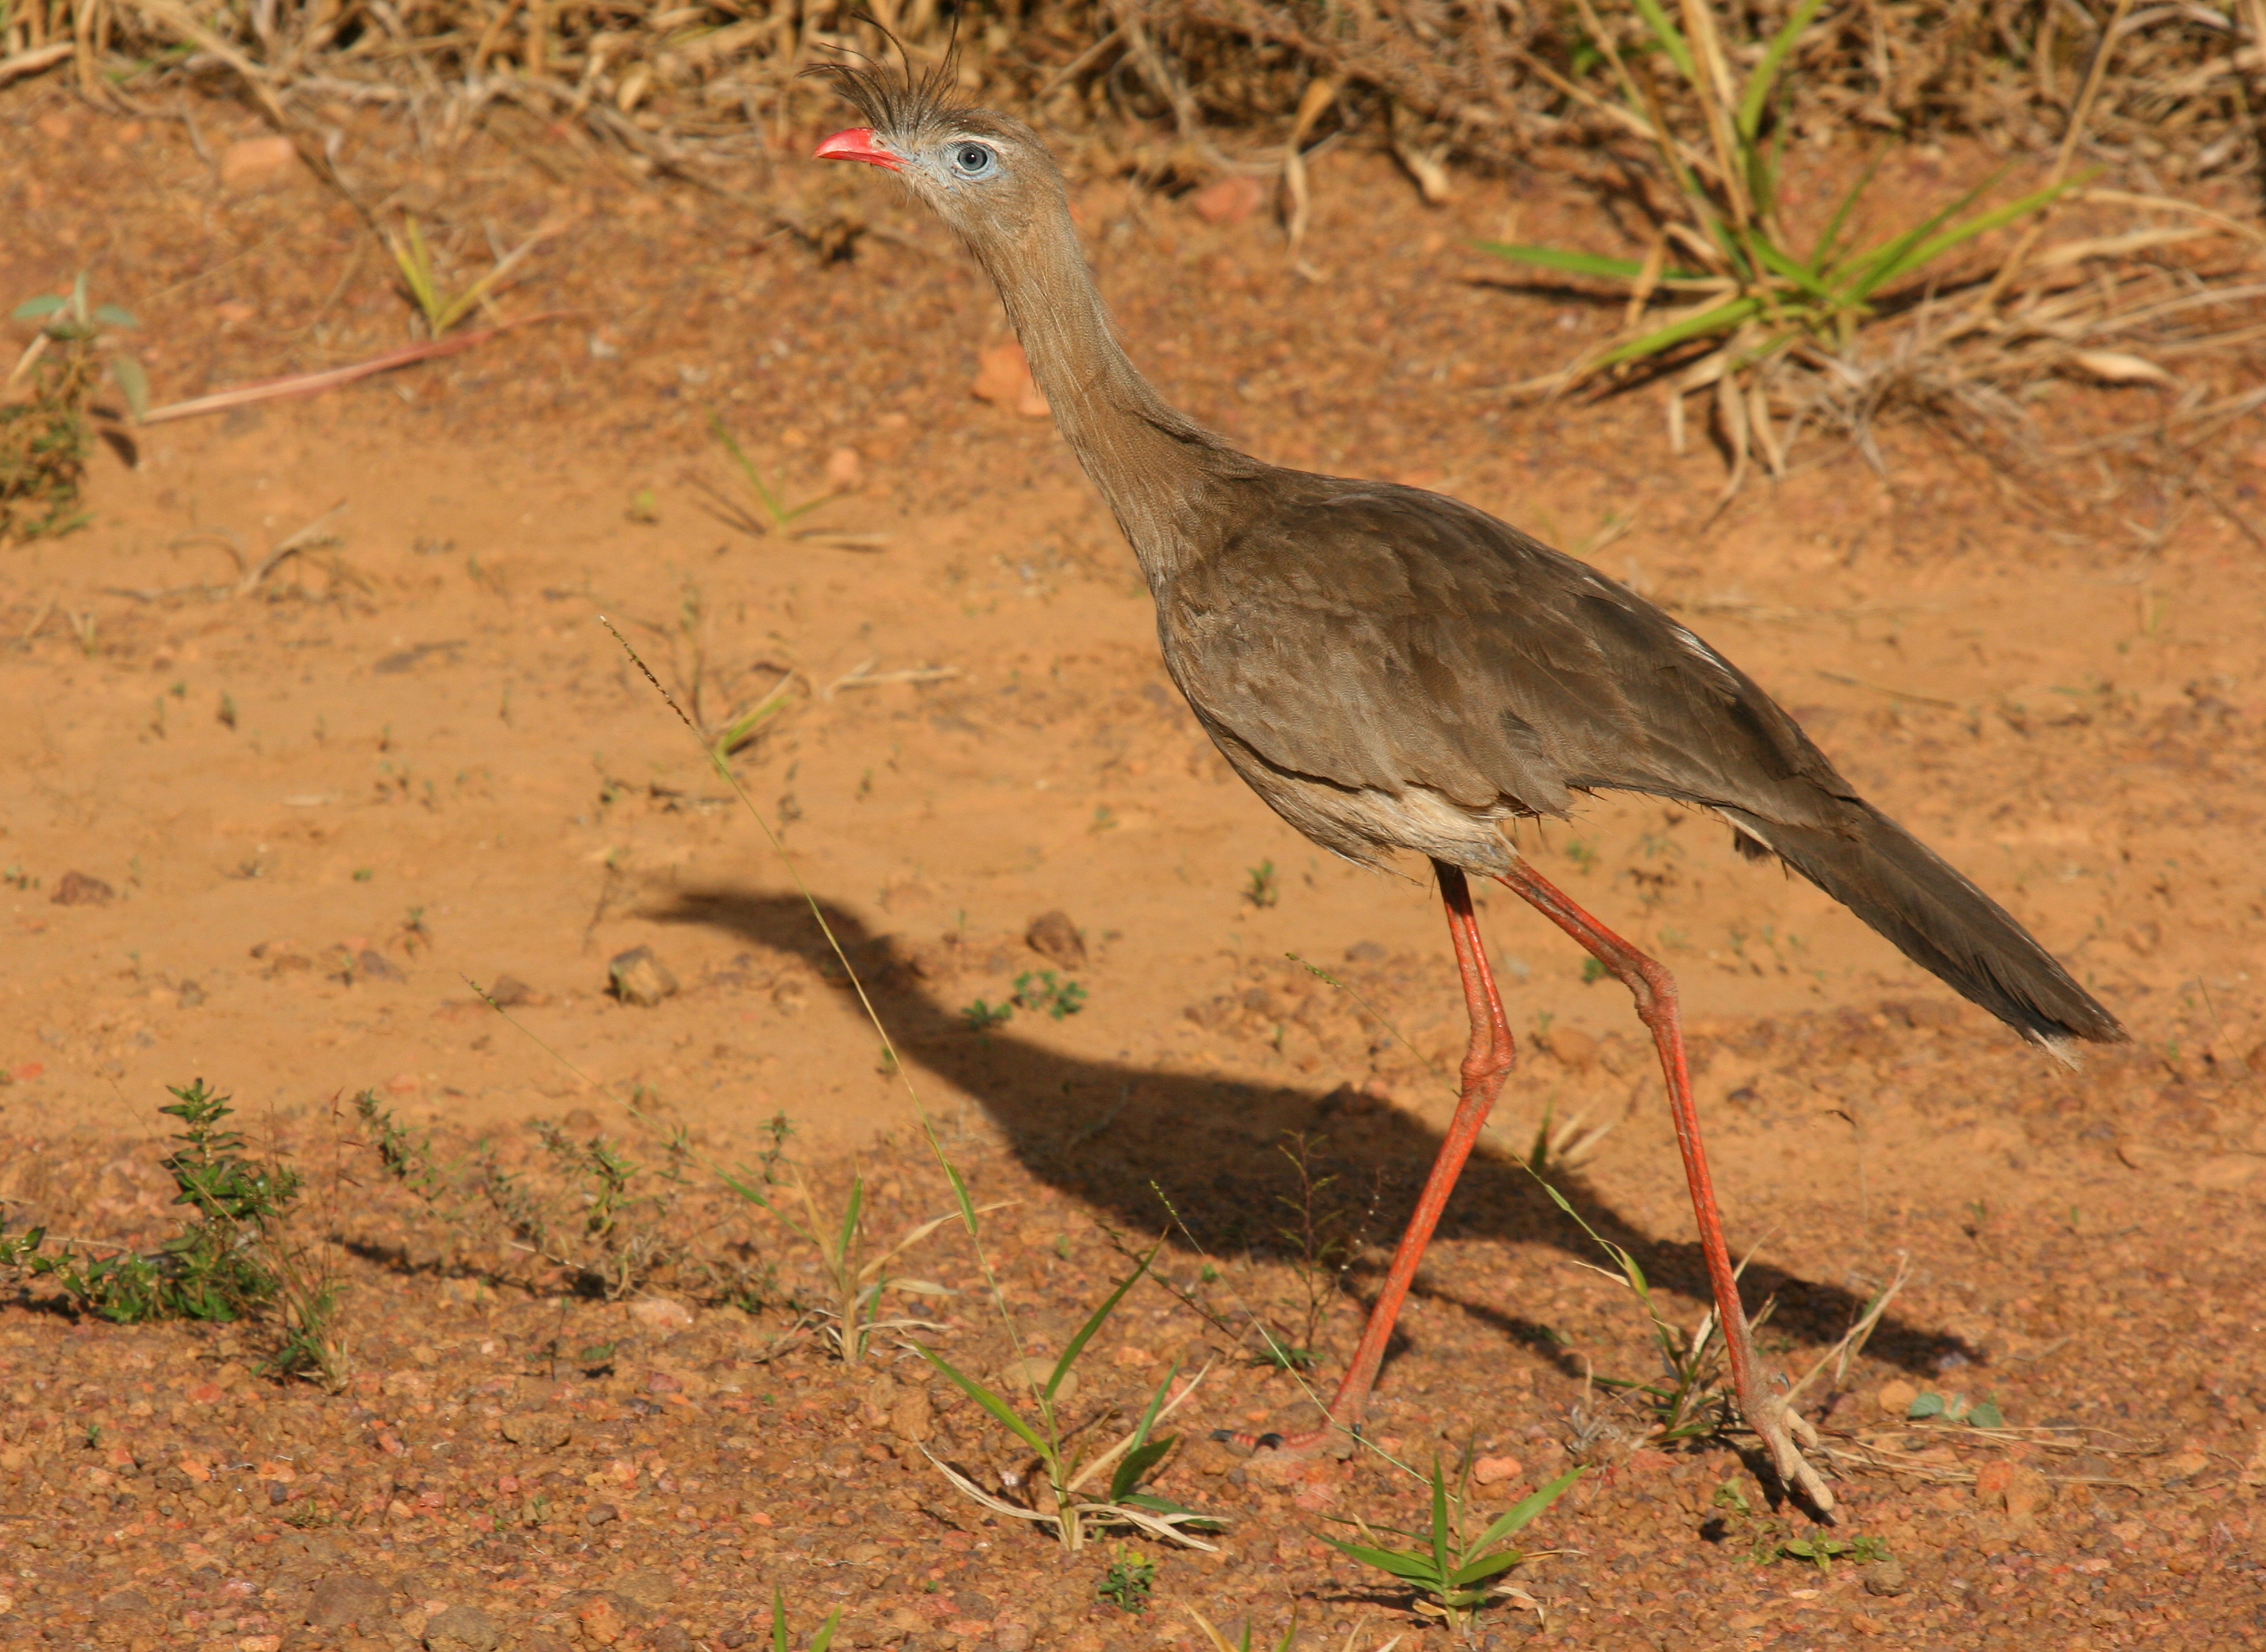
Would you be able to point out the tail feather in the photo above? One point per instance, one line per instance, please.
(1940, 921)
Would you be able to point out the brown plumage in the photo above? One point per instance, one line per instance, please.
(1394, 670)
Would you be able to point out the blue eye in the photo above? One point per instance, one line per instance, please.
(973, 160)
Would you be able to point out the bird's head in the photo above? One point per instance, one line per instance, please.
(987, 176)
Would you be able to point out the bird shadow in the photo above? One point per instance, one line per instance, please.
(1145, 1146)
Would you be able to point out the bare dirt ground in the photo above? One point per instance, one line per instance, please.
(317, 804)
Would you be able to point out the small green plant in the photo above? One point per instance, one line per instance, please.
(856, 1282)
(441, 311)
(778, 516)
(1593, 970)
(1127, 1584)
(1037, 989)
(1690, 1398)
(1758, 303)
(1323, 1240)
(1263, 888)
(47, 438)
(1064, 1470)
(599, 1218)
(982, 1016)
(1821, 1551)
(819, 1642)
(1954, 1408)
(219, 1267)
(1459, 1573)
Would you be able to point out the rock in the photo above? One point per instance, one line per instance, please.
(2028, 1494)
(537, 1430)
(1229, 200)
(461, 1629)
(255, 161)
(1894, 1398)
(75, 888)
(1018, 1377)
(374, 965)
(345, 1597)
(661, 1314)
(1052, 935)
(1992, 1481)
(656, 1589)
(604, 1615)
(1011, 1637)
(191, 995)
(1492, 1471)
(844, 468)
(600, 1512)
(2256, 1060)
(1003, 377)
(913, 1417)
(641, 978)
(126, 1603)
(1887, 1578)
(670, 1637)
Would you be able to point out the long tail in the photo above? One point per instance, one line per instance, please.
(1940, 921)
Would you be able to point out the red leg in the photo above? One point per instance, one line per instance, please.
(1771, 1419)
(1487, 1062)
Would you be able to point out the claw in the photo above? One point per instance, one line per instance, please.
(1775, 1421)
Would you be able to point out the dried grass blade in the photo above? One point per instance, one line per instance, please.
(330, 378)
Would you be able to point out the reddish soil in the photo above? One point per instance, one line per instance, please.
(303, 812)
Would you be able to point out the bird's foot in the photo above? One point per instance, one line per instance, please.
(1328, 1442)
(1778, 1425)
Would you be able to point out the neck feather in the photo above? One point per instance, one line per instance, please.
(1155, 466)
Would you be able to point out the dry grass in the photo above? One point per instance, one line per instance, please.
(1167, 86)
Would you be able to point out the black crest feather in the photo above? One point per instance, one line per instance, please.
(893, 100)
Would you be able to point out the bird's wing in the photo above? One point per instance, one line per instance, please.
(1378, 636)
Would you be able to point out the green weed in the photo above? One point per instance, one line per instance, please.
(1459, 1573)
(1264, 887)
(856, 1282)
(1954, 1408)
(47, 438)
(1037, 1419)
(235, 1257)
(600, 1219)
(1039, 989)
(778, 516)
(983, 1016)
(442, 310)
(1127, 1584)
(819, 1642)
(1821, 1551)
(1756, 302)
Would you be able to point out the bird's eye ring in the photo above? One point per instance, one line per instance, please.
(972, 160)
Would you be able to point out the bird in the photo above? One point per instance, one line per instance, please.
(1394, 671)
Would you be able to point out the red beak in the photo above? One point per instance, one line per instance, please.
(858, 145)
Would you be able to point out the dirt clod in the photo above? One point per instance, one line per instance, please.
(345, 1597)
(1052, 935)
(639, 977)
(537, 1430)
(462, 1628)
(77, 889)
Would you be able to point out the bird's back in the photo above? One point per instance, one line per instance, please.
(1376, 638)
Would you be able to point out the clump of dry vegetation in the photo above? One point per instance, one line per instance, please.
(1490, 84)
(1682, 118)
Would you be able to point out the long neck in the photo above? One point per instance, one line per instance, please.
(1153, 464)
